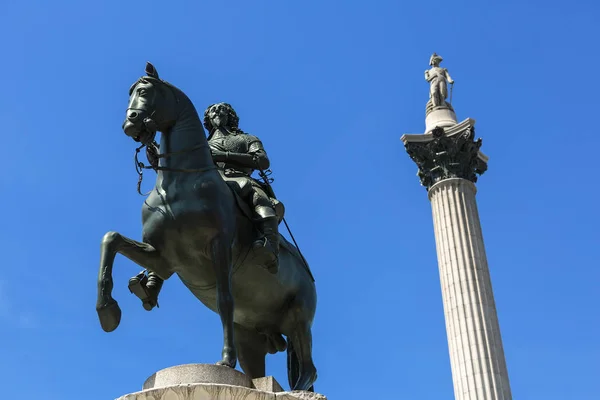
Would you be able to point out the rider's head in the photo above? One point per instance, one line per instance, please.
(220, 115)
(435, 60)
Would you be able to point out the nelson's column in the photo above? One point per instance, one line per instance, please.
(448, 160)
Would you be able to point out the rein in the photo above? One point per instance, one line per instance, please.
(140, 166)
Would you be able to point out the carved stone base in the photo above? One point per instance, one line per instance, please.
(212, 382)
(441, 117)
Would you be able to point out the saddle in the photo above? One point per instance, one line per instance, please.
(240, 186)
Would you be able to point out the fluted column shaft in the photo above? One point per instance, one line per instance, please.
(476, 353)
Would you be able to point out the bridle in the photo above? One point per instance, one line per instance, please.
(150, 126)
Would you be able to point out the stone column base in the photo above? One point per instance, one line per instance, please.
(213, 382)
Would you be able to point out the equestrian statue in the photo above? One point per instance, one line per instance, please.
(213, 225)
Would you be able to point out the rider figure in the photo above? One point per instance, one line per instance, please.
(239, 154)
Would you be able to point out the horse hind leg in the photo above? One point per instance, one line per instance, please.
(142, 254)
(252, 350)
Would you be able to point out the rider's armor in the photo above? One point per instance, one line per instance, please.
(238, 167)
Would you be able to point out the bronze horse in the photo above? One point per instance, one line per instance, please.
(195, 227)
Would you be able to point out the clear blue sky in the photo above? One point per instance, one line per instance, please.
(329, 87)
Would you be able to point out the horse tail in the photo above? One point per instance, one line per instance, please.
(293, 366)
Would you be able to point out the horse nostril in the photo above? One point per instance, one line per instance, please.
(133, 115)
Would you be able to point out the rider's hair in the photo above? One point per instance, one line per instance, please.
(233, 119)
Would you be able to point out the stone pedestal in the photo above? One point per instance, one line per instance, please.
(449, 161)
(441, 117)
(212, 382)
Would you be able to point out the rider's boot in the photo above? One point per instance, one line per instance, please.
(146, 288)
(267, 245)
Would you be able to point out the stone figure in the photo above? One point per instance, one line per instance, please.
(238, 154)
(437, 76)
(197, 227)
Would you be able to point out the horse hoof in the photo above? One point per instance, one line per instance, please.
(109, 315)
(229, 360)
(227, 363)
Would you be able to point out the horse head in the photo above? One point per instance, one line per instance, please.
(152, 107)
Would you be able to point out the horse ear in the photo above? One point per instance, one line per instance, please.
(151, 71)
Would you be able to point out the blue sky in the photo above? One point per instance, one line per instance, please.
(329, 87)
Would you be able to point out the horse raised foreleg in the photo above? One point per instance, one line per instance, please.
(142, 254)
(221, 259)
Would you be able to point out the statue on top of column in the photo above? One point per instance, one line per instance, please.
(437, 76)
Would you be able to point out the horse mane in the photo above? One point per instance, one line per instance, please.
(151, 79)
